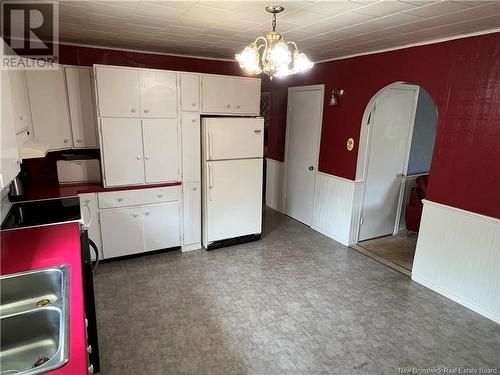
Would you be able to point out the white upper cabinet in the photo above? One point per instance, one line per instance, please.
(81, 106)
(118, 92)
(190, 92)
(49, 107)
(9, 163)
(122, 151)
(158, 94)
(231, 95)
(247, 95)
(191, 147)
(161, 150)
(20, 100)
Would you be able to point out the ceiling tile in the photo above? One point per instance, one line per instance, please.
(332, 8)
(157, 11)
(384, 8)
(338, 22)
(435, 9)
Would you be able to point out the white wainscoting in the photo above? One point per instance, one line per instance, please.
(333, 207)
(275, 171)
(458, 255)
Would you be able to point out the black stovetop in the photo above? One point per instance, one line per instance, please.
(42, 212)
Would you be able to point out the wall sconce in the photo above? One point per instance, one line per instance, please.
(334, 98)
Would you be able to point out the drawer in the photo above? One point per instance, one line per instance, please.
(159, 195)
(121, 198)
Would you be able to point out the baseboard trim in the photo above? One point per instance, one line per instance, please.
(486, 313)
(191, 247)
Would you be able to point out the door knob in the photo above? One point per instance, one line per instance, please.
(132, 110)
(238, 106)
(193, 120)
(78, 141)
(146, 213)
(136, 215)
(147, 157)
(258, 131)
(228, 106)
(146, 110)
(66, 140)
(311, 168)
(193, 104)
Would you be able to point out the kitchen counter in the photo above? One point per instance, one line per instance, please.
(40, 247)
(54, 190)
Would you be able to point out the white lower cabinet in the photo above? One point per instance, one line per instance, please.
(135, 221)
(161, 226)
(192, 213)
(90, 215)
(122, 231)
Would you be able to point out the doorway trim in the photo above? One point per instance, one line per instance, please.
(364, 153)
(320, 88)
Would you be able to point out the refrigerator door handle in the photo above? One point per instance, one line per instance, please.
(209, 143)
(210, 182)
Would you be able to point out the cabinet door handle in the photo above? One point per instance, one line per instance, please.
(89, 349)
(146, 213)
(132, 110)
(193, 120)
(119, 199)
(228, 105)
(194, 189)
(78, 140)
(147, 158)
(160, 195)
(146, 111)
(138, 157)
(238, 106)
(257, 131)
(91, 369)
(135, 215)
(66, 140)
(193, 104)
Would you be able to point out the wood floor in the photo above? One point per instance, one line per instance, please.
(392, 250)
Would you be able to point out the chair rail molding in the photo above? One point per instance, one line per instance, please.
(458, 256)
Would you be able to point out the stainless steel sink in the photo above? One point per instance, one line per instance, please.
(34, 309)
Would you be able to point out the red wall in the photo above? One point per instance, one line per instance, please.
(87, 56)
(463, 78)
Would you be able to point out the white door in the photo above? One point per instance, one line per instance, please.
(81, 107)
(158, 94)
(191, 147)
(121, 230)
(190, 92)
(161, 150)
(122, 151)
(89, 210)
(118, 92)
(49, 107)
(304, 118)
(233, 138)
(192, 213)
(234, 198)
(390, 127)
(217, 94)
(247, 96)
(161, 226)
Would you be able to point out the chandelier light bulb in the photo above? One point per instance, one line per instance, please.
(300, 62)
(279, 55)
(249, 59)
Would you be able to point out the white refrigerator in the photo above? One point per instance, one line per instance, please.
(232, 149)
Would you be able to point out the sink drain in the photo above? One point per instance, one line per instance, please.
(40, 361)
(43, 302)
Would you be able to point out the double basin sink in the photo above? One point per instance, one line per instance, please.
(34, 321)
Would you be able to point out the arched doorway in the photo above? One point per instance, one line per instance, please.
(396, 145)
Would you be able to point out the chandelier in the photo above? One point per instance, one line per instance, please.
(272, 54)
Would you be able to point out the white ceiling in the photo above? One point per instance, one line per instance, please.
(323, 29)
